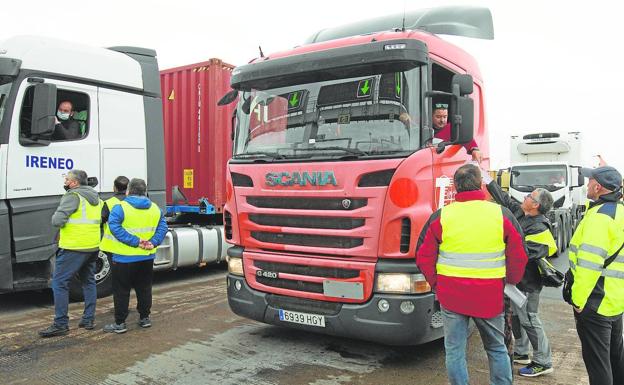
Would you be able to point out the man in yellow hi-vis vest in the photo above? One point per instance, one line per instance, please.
(527, 326)
(598, 290)
(137, 227)
(467, 251)
(120, 186)
(78, 217)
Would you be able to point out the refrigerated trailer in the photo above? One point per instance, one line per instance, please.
(116, 94)
(551, 160)
(335, 171)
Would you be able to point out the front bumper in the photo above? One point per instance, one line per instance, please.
(359, 321)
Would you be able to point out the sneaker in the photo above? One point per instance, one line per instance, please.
(87, 324)
(116, 328)
(522, 359)
(54, 330)
(534, 370)
(145, 322)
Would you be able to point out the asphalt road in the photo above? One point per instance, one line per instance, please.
(196, 339)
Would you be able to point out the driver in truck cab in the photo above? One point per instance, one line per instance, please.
(65, 128)
(442, 128)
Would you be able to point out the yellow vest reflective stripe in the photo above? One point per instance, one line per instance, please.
(140, 222)
(106, 243)
(82, 229)
(597, 237)
(472, 240)
(544, 238)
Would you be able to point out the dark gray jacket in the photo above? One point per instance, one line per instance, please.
(532, 280)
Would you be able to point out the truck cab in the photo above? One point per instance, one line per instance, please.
(115, 94)
(551, 161)
(335, 171)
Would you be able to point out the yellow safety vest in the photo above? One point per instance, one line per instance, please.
(598, 236)
(107, 243)
(473, 243)
(140, 222)
(544, 238)
(82, 229)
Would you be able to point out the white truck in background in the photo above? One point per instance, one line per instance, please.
(551, 161)
(118, 91)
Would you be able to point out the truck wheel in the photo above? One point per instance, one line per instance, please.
(103, 279)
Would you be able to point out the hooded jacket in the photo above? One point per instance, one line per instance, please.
(532, 280)
(69, 204)
(115, 221)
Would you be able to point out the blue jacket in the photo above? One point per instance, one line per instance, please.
(115, 220)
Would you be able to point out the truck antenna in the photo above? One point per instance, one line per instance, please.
(261, 53)
(403, 26)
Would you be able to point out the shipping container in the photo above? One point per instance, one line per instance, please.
(197, 131)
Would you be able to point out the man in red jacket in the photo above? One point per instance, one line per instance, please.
(467, 263)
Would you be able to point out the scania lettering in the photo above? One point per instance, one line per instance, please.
(335, 171)
(116, 94)
(317, 178)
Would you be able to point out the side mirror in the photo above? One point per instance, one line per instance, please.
(228, 98)
(92, 181)
(462, 119)
(464, 83)
(43, 111)
(462, 109)
(580, 179)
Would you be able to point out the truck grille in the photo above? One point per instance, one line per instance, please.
(307, 222)
(307, 203)
(315, 271)
(308, 271)
(307, 240)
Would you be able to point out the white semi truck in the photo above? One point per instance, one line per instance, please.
(551, 161)
(117, 91)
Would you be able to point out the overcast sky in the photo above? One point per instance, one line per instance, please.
(553, 65)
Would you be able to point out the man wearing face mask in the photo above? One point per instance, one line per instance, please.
(66, 127)
(78, 217)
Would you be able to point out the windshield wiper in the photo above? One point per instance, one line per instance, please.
(272, 155)
(353, 151)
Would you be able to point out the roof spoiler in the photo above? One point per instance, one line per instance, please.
(475, 22)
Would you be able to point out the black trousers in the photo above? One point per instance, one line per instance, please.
(137, 276)
(603, 350)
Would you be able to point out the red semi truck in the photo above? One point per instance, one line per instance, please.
(335, 170)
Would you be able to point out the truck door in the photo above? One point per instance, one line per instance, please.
(35, 171)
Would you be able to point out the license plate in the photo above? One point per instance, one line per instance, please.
(302, 318)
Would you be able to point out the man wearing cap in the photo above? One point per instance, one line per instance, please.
(598, 290)
(442, 130)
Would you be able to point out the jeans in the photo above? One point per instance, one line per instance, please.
(531, 331)
(137, 275)
(493, 336)
(68, 264)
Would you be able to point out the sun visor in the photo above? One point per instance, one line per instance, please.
(466, 21)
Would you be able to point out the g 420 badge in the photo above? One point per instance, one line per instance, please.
(266, 274)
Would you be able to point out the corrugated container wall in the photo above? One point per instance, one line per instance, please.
(197, 131)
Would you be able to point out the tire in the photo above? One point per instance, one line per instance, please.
(103, 279)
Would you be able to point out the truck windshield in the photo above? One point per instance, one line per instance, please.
(5, 89)
(376, 115)
(550, 177)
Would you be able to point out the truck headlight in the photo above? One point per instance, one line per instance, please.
(235, 266)
(401, 283)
